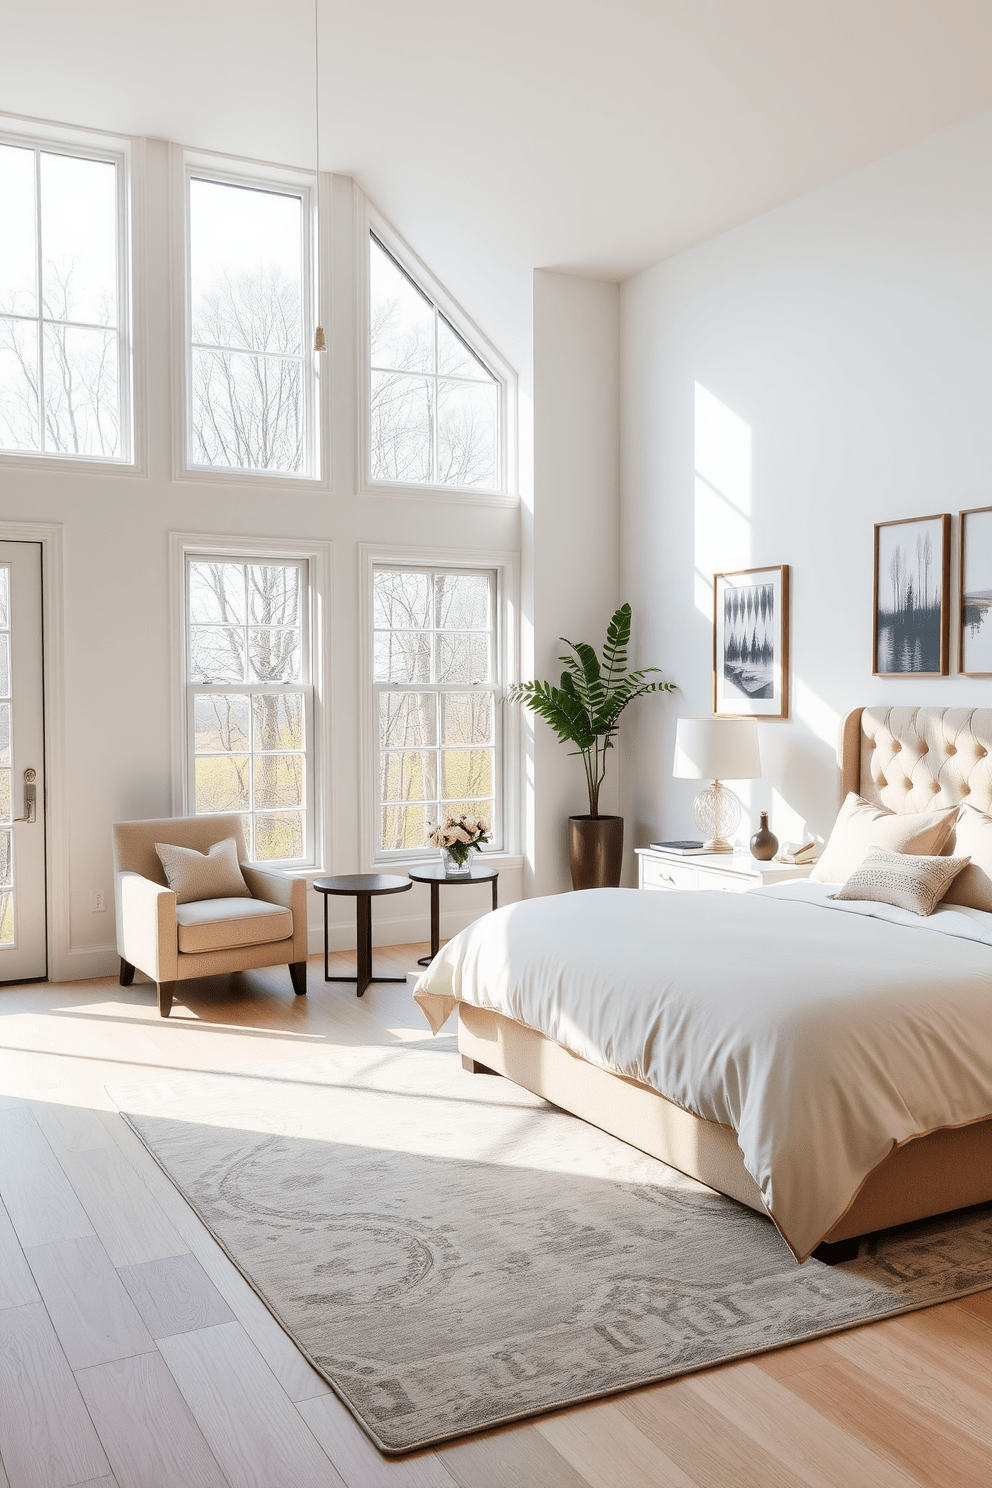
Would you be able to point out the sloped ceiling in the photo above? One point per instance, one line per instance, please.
(592, 137)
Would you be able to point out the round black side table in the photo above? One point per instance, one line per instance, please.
(362, 887)
(436, 876)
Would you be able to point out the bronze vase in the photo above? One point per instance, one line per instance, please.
(764, 843)
(595, 851)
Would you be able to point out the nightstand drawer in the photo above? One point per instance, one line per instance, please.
(656, 875)
(730, 883)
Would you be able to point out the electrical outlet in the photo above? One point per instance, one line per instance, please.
(98, 901)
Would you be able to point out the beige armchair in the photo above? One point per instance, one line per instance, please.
(170, 942)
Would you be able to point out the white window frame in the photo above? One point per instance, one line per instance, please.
(126, 155)
(230, 171)
(369, 222)
(506, 734)
(315, 557)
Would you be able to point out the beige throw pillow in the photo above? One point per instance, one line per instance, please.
(912, 881)
(193, 875)
(860, 825)
(973, 838)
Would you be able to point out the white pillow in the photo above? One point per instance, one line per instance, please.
(973, 838)
(913, 881)
(193, 875)
(860, 825)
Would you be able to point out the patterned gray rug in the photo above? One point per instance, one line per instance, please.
(451, 1253)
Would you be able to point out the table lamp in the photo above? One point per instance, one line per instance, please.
(717, 749)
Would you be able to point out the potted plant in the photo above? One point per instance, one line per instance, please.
(584, 710)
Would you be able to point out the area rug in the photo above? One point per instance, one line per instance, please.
(452, 1253)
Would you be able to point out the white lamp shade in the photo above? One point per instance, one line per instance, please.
(717, 749)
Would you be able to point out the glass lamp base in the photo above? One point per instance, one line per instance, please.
(717, 813)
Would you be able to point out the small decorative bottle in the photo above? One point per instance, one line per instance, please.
(764, 843)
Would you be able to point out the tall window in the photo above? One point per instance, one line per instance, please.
(250, 373)
(250, 700)
(63, 346)
(435, 405)
(436, 689)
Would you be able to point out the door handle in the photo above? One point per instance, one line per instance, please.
(30, 797)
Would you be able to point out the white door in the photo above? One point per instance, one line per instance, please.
(23, 938)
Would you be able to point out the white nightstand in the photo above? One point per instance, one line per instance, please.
(733, 872)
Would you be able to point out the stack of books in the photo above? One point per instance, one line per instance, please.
(685, 848)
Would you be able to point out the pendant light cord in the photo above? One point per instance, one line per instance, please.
(319, 339)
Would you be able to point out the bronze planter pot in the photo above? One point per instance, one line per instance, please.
(595, 851)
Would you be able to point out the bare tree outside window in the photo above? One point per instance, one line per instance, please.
(436, 689)
(248, 356)
(60, 345)
(435, 406)
(248, 697)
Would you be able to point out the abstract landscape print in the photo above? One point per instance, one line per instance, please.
(912, 572)
(750, 642)
(975, 647)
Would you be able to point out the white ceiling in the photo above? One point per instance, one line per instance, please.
(593, 137)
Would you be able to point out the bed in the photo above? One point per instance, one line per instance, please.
(920, 1161)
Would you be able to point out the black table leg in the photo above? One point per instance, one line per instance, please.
(363, 947)
(326, 967)
(435, 925)
(495, 898)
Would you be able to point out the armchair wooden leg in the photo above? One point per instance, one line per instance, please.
(127, 973)
(166, 992)
(298, 972)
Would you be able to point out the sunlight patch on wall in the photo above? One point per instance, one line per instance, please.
(818, 716)
(722, 494)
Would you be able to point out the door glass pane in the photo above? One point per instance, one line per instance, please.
(18, 254)
(6, 917)
(5, 664)
(6, 846)
(5, 812)
(4, 597)
(19, 427)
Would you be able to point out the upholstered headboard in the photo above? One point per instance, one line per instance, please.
(918, 759)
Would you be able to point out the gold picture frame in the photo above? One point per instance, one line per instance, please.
(751, 642)
(975, 592)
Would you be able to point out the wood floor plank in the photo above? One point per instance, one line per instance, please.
(951, 1342)
(175, 1295)
(357, 1461)
(97, 1483)
(35, 1191)
(17, 1287)
(4, 1480)
(821, 1453)
(780, 1363)
(94, 1317)
(146, 1426)
(914, 1438)
(595, 1438)
(47, 1439)
(70, 1128)
(297, 1377)
(516, 1457)
(252, 1427)
(122, 1211)
(694, 1436)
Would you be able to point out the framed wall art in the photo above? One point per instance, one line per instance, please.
(975, 633)
(912, 597)
(751, 642)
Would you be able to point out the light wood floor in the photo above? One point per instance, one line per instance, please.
(134, 1355)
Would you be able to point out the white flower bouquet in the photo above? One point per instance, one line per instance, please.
(458, 835)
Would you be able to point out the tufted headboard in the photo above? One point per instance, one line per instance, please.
(918, 759)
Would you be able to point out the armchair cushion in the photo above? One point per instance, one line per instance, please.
(223, 924)
(193, 875)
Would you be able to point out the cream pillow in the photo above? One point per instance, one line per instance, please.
(860, 825)
(973, 838)
(193, 875)
(912, 881)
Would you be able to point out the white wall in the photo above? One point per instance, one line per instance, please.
(571, 548)
(785, 386)
(119, 707)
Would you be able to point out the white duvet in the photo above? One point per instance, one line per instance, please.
(824, 1033)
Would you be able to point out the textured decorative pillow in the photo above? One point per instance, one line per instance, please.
(193, 875)
(973, 838)
(912, 881)
(860, 825)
